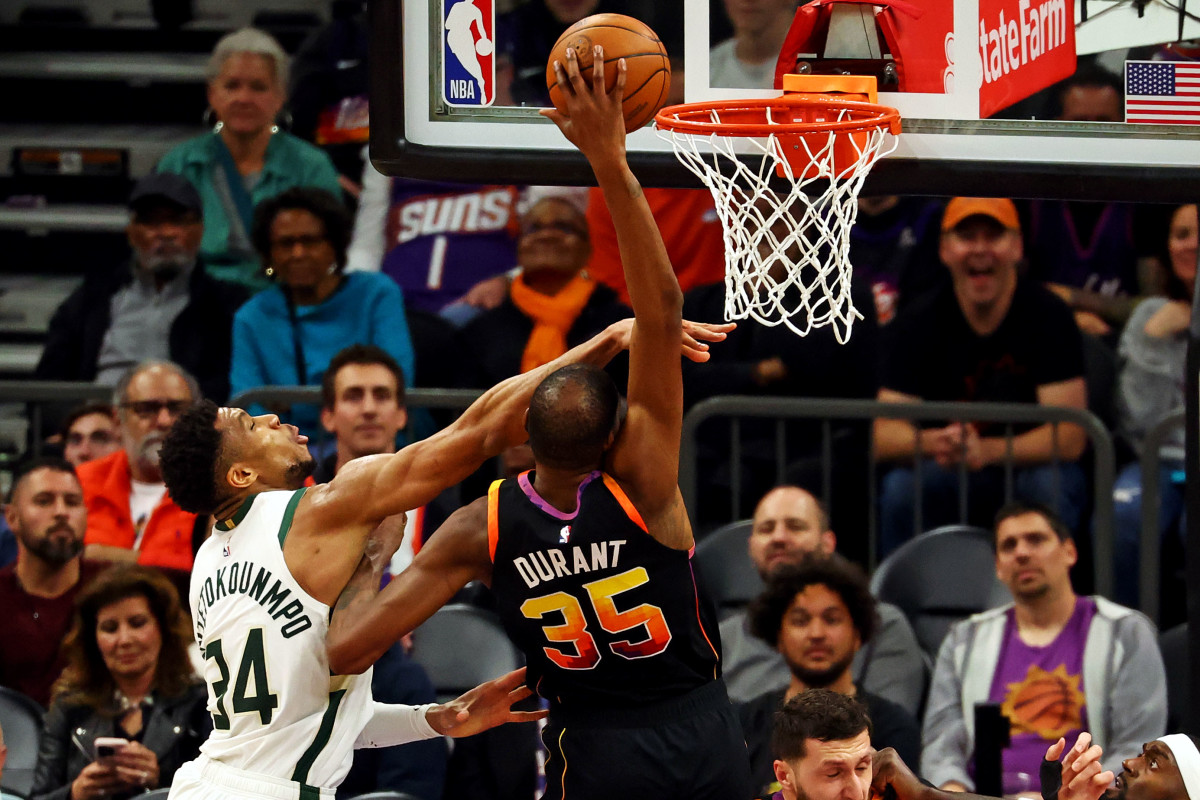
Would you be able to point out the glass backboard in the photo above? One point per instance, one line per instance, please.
(961, 72)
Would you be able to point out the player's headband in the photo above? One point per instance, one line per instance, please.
(1188, 759)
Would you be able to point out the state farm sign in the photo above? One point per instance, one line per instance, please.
(1025, 46)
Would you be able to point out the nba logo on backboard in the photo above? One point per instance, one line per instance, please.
(468, 52)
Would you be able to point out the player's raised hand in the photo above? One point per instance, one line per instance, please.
(484, 707)
(1083, 778)
(595, 121)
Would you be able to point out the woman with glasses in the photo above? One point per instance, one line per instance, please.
(128, 710)
(286, 335)
(247, 157)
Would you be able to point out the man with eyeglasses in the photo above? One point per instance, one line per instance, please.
(131, 517)
(90, 432)
(159, 304)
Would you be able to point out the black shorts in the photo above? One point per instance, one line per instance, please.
(687, 748)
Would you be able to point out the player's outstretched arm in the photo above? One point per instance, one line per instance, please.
(645, 459)
(367, 621)
(487, 706)
(369, 489)
(892, 778)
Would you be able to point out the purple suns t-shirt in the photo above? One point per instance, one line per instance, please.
(1040, 690)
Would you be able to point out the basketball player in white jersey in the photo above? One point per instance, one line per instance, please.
(279, 555)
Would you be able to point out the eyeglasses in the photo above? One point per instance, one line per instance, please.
(564, 227)
(308, 241)
(95, 437)
(149, 409)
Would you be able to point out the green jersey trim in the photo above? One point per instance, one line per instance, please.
(285, 524)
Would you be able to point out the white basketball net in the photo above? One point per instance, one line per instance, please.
(786, 255)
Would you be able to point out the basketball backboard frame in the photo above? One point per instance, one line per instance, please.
(944, 150)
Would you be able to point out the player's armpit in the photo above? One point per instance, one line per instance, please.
(366, 621)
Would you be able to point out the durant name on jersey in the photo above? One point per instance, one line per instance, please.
(542, 566)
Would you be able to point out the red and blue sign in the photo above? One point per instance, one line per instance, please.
(469, 52)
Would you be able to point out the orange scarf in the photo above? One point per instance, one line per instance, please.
(552, 315)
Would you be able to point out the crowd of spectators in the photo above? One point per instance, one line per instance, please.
(255, 262)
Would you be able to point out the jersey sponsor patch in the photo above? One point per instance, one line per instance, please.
(469, 52)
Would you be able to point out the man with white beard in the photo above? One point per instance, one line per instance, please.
(158, 304)
(131, 517)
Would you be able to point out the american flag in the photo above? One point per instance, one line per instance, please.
(1163, 92)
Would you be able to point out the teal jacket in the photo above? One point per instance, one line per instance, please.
(290, 161)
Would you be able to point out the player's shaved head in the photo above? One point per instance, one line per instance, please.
(572, 415)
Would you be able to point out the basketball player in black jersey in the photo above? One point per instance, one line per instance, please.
(589, 553)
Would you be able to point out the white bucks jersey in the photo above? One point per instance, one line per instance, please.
(276, 710)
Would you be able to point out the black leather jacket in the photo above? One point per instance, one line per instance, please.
(173, 729)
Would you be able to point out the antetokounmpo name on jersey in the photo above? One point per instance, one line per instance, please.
(546, 565)
(259, 584)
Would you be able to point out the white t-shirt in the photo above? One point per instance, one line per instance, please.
(726, 70)
(143, 499)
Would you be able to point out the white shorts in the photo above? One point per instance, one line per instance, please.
(205, 779)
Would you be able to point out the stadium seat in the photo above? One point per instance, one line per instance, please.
(725, 566)
(940, 577)
(21, 720)
(462, 646)
(1174, 646)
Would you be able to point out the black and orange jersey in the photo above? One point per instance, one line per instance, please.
(606, 615)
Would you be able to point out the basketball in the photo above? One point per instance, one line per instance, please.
(648, 79)
(484, 47)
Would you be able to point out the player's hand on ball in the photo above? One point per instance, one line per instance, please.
(484, 707)
(595, 120)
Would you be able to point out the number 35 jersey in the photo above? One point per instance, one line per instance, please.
(607, 616)
(276, 710)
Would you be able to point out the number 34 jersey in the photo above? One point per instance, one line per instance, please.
(607, 616)
(276, 710)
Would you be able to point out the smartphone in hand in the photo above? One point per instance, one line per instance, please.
(106, 747)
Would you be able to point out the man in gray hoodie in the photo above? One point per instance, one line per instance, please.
(1056, 663)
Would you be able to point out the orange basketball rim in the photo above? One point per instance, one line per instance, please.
(785, 174)
(816, 117)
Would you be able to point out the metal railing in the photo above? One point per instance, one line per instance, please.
(826, 410)
(452, 399)
(1151, 541)
(781, 409)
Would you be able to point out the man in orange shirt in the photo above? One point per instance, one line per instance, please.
(130, 515)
